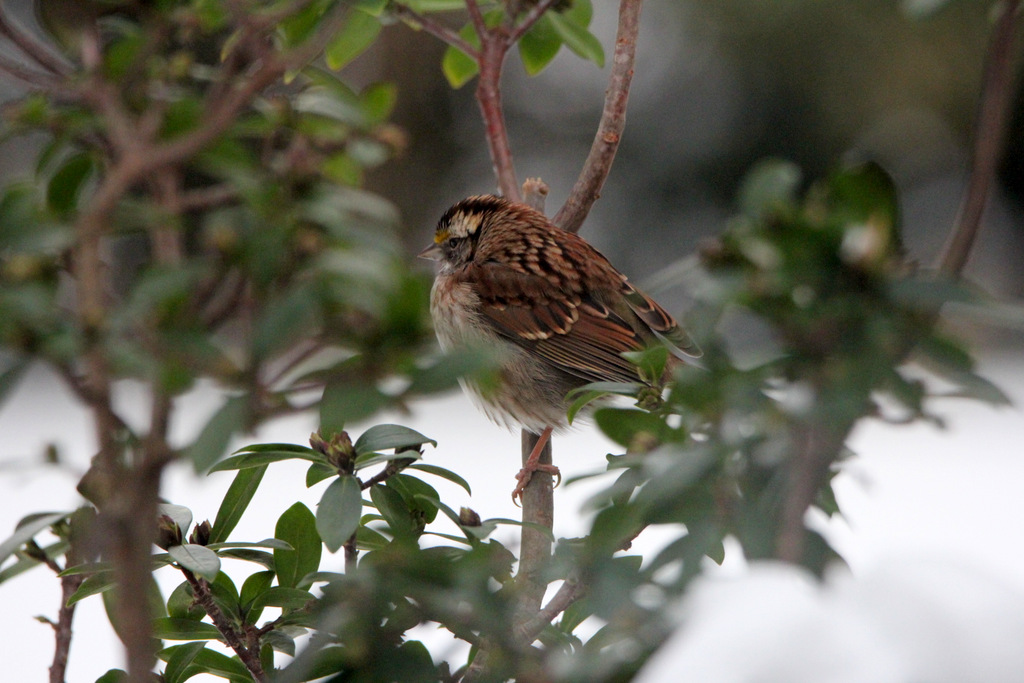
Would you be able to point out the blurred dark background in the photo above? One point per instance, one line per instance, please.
(719, 85)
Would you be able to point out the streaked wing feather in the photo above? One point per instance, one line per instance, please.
(570, 329)
(663, 325)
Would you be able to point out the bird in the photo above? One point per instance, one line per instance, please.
(557, 311)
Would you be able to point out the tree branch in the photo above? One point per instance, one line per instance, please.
(488, 96)
(477, 19)
(535, 546)
(203, 596)
(990, 131)
(570, 591)
(613, 120)
(65, 616)
(439, 31)
(30, 46)
(37, 80)
(529, 19)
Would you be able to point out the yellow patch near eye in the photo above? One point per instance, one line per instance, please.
(440, 236)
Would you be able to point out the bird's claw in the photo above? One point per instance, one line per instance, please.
(524, 476)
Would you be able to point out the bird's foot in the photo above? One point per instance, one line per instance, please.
(525, 474)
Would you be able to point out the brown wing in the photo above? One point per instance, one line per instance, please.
(663, 325)
(571, 329)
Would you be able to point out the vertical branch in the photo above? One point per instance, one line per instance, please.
(488, 96)
(816, 448)
(613, 121)
(538, 508)
(249, 656)
(538, 497)
(990, 131)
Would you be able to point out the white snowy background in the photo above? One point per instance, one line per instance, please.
(933, 533)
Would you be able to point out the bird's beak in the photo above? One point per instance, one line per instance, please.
(433, 252)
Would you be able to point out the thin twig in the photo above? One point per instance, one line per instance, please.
(30, 46)
(613, 121)
(570, 591)
(439, 31)
(65, 616)
(37, 80)
(204, 198)
(990, 131)
(529, 19)
(477, 18)
(62, 629)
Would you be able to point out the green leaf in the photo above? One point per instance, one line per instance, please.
(318, 472)
(539, 45)
(180, 660)
(299, 25)
(865, 192)
(254, 585)
(236, 500)
(337, 516)
(371, 459)
(27, 528)
(373, 7)
(385, 436)
(420, 496)
(283, 597)
(250, 555)
(214, 663)
(283, 320)
(265, 543)
(22, 565)
(181, 515)
(298, 527)
(768, 186)
(458, 67)
(427, 6)
(358, 34)
(348, 401)
(169, 628)
(625, 425)
(576, 36)
(444, 373)
(66, 184)
(583, 396)
(198, 559)
(298, 450)
(97, 583)
(225, 594)
(394, 509)
(444, 474)
(181, 603)
(113, 676)
(379, 101)
(213, 441)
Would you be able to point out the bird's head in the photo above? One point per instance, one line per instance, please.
(460, 228)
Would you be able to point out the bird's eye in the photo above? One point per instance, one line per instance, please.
(452, 242)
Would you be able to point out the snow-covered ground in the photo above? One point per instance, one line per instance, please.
(933, 534)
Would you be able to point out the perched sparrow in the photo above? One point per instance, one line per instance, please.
(559, 313)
